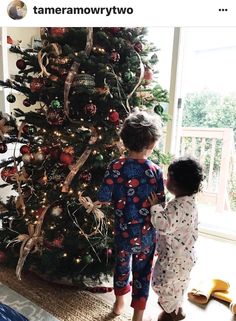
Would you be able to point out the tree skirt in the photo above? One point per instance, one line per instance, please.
(65, 303)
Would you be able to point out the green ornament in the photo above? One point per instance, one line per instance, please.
(99, 157)
(32, 130)
(11, 98)
(88, 259)
(128, 75)
(55, 103)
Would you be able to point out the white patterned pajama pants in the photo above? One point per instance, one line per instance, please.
(170, 280)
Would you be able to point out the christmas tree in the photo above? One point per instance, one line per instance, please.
(87, 80)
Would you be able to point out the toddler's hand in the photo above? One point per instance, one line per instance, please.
(153, 199)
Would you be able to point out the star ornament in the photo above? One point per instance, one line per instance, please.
(4, 129)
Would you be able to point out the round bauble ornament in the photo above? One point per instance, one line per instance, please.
(148, 76)
(27, 158)
(55, 103)
(21, 64)
(84, 82)
(3, 148)
(114, 116)
(26, 102)
(128, 75)
(3, 257)
(115, 56)
(57, 32)
(8, 174)
(29, 130)
(138, 46)
(85, 176)
(58, 242)
(45, 149)
(55, 153)
(66, 158)
(11, 98)
(159, 109)
(108, 252)
(88, 259)
(56, 211)
(25, 149)
(99, 157)
(38, 157)
(55, 117)
(36, 84)
(69, 150)
(54, 78)
(90, 109)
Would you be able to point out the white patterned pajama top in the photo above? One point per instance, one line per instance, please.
(177, 231)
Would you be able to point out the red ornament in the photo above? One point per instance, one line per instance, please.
(55, 153)
(108, 252)
(3, 148)
(45, 150)
(3, 257)
(36, 84)
(114, 116)
(21, 64)
(90, 109)
(25, 149)
(8, 174)
(115, 56)
(55, 117)
(57, 32)
(26, 102)
(148, 76)
(66, 158)
(138, 46)
(10, 40)
(114, 30)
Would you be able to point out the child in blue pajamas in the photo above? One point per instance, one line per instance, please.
(128, 182)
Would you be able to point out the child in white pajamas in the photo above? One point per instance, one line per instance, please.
(177, 231)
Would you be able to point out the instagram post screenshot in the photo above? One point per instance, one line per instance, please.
(117, 160)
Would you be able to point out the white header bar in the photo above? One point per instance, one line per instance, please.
(124, 13)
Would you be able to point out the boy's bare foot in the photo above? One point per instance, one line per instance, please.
(118, 306)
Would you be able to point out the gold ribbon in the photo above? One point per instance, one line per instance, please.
(89, 43)
(142, 69)
(31, 241)
(44, 71)
(93, 208)
(20, 204)
(80, 162)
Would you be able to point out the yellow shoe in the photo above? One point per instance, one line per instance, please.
(226, 296)
(201, 294)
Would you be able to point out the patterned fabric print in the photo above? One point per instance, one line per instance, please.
(129, 183)
(170, 279)
(141, 263)
(177, 229)
(9, 314)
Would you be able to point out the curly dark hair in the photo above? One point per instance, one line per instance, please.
(187, 173)
(140, 130)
